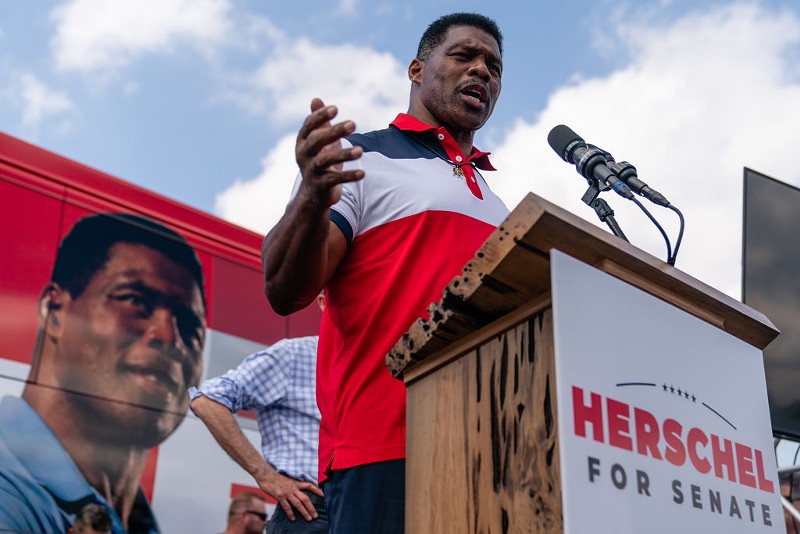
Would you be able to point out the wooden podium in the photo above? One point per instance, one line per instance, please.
(482, 433)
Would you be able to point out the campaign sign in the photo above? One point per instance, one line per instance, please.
(663, 418)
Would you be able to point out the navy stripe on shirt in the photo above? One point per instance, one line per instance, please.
(397, 144)
(339, 220)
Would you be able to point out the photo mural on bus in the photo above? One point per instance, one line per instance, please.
(121, 331)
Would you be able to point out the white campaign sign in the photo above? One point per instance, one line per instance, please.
(663, 418)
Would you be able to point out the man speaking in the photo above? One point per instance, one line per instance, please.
(384, 220)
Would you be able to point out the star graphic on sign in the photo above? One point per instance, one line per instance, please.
(680, 392)
(671, 389)
(664, 386)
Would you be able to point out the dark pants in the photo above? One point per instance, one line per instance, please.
(280, 524)
(368, 499)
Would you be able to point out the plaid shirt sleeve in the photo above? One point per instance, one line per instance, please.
(278, 383)
(259, 381)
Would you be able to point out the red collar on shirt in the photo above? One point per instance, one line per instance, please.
(407, 123)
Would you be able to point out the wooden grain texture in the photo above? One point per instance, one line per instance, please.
(482, 452)
(512, 268)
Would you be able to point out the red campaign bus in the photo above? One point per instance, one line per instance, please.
(184, 477)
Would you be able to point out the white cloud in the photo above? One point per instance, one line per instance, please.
(257, 204)
(39, 101)
(371, 95)
(98, 35)
(701, 98)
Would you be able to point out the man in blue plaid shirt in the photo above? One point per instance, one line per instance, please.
(278, 383)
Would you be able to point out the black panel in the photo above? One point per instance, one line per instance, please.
(771, 284)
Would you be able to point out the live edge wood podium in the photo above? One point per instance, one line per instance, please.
(482, 438)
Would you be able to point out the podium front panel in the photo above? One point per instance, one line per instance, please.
(482, 451)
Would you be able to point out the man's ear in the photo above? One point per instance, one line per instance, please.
(415, 70)
(51, 305)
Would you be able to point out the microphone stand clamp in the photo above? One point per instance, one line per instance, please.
(604, 212)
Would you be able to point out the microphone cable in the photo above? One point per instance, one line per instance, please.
(627, 173)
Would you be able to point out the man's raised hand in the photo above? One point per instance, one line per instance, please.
(320, 155)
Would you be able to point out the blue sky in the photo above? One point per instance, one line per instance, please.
(200, 99)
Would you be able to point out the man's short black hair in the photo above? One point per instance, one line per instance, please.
(437, 30)
(93, 517)
(84, 250)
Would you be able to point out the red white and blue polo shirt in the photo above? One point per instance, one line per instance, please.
(412, 223)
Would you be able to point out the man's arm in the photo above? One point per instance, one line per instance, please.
(287, 491)
(302, 251)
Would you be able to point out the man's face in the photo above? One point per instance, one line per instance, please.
(254, 523)
(132, 342)
(461, 80)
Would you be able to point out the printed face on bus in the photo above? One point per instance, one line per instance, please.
(130, 344)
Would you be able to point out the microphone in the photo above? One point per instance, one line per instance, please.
(590, 161)
(627, 173)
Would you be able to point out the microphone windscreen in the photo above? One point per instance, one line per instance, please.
(560, 138)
